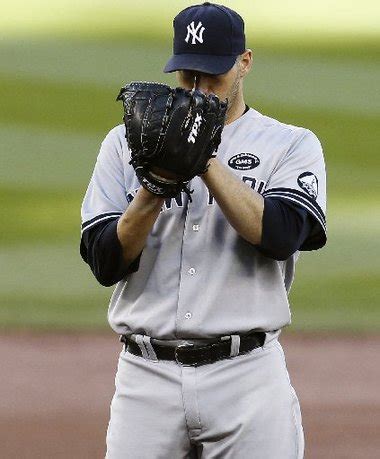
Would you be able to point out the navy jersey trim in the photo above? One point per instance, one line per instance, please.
(99, 218)
(299, 198)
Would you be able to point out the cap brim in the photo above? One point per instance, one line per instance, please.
(205, 63)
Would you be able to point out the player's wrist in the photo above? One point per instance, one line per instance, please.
(148, 197)
(210, 166)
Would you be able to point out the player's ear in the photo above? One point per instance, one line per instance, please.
(245, 62)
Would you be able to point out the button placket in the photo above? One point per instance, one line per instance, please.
(191, 261)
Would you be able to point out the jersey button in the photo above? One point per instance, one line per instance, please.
(192, 271)
(195, 227)
(188, 315)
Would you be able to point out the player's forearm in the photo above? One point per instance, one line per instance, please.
(241, 205)
(136, 223)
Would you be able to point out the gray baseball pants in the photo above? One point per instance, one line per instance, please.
(238, 408)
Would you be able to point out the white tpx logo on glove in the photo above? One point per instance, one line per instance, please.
(195, 129)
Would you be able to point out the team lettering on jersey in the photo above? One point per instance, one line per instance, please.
(256, 185)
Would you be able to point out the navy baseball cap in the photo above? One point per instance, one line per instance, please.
(207, 38)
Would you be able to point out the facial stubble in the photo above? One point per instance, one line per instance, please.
(232, 96)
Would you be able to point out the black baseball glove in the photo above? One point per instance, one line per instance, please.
(172, 134)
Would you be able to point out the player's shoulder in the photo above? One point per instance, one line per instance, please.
(116, 135)
(289, 133)
(114, 143)
(264, 121)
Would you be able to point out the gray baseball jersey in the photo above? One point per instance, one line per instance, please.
(197, 277)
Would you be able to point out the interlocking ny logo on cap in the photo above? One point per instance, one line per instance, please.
(195, 32)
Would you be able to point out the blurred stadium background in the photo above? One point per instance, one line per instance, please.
(61, 65)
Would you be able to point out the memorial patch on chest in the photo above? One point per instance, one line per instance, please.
(244, 161)
(309, 183)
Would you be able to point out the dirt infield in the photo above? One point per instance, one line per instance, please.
(55, 394)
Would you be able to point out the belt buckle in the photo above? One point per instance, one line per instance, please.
(178, 348)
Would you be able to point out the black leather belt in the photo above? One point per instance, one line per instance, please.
(196, 355)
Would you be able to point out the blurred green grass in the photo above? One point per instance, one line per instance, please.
(324, 24)
(58, 104)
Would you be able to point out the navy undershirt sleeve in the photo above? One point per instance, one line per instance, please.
(100, 248)
(286, 228)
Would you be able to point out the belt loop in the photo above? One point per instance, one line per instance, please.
(146, 347)
(149, 348)
(235, 345)
(123, 339)
(139, 340)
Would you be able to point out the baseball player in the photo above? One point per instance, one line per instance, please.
(202, 278)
